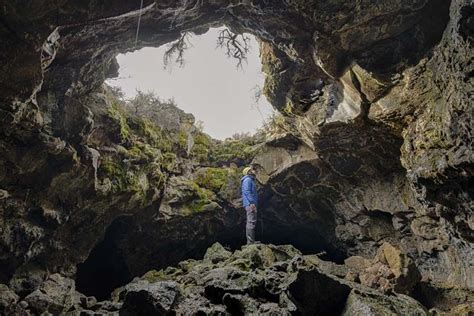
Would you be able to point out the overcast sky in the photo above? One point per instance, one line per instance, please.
(208, 86)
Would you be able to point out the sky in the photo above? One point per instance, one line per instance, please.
(209, 85)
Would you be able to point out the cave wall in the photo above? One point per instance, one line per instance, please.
(396, 74)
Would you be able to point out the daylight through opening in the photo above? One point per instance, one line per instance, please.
(220, 93)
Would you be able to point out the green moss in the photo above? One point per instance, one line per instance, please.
(120, 116)
(154, 172)
(136, 152)
(122, 179)
(240, 152)
(202, 197)
(213, 178)
(183, 139)
(201, 147)
(169, 161)
(169, 273)
(197, 206)
(149, 133)
(141, 151)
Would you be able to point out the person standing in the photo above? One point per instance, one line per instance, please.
(250, 202)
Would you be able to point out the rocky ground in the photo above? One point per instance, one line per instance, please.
(371, 159)
(259, 279)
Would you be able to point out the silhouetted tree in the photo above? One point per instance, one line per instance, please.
(177, 49)
(236, 45)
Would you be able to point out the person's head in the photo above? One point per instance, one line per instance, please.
(248, 171)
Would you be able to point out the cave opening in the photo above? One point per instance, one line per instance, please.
(105, 264)
(205, 75)
(112, 263)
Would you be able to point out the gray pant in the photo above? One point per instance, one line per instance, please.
(251, 224)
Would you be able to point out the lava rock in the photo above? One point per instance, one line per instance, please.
(56, 295)
(143, 298)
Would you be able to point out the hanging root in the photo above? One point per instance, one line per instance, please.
(236, 45)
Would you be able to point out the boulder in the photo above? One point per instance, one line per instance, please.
(57, 294)
(144, 298)
(403, 267)
(373, 304)
(8, 301)
(390, 270)
(216, 253)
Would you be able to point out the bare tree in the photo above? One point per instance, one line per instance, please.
(177, 49)
(236, 45)
(117, 92)
(141, 102)
(145, 103)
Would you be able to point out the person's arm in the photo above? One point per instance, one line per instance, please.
(254, 195)
(247, 191)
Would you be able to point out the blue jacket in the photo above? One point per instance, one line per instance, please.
(249, 191)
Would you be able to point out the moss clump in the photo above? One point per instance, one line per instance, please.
(240, 152)
(169, 161)
(143, 152)
(169, 273)
(152, 134)
(201, 147)
(200, 197)
(155, 173)
(212, 178)
(120, 117)
(183, 139)
(122, 179)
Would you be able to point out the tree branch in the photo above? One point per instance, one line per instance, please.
(237, 46)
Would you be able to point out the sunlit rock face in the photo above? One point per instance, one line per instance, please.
(377, 100)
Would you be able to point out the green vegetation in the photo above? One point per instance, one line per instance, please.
(148, 155)
(142, 152)
(201, 147)
(212, 178)
(202, 197)
(120, 117)
(143, 158)
(169, 273)
(169, 161)
(237, 151)
(183, 139)
(122, 180)
(151, 134)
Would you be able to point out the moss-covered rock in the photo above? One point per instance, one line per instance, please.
(359, 303)
(185, 197)
(212, 178)
(119, 116)
(201, 148)
(122, 179)
(169, 273)
(234, 151)
(248, 280)
(145, 157)
(202, 198)
(216, 253)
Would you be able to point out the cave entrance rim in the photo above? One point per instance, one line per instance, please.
(203, 77)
